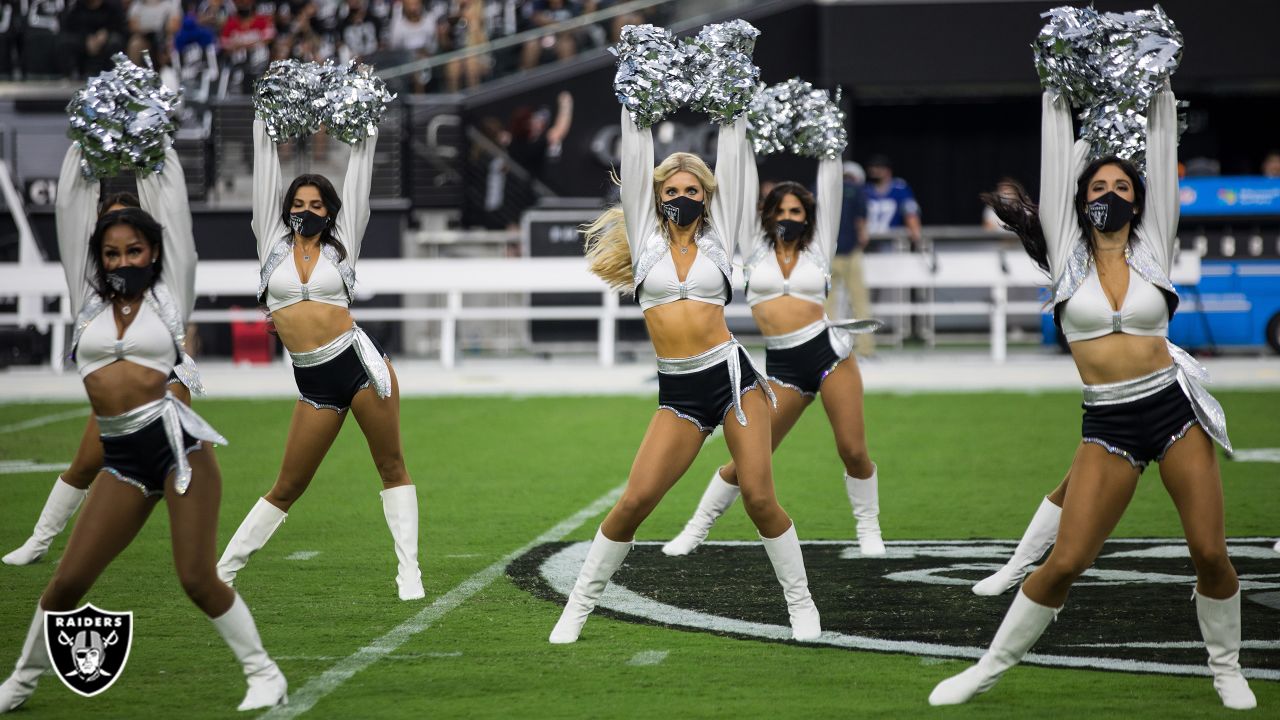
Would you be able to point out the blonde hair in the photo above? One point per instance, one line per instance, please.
(608, 255)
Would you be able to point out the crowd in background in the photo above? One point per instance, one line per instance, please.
(77, 38)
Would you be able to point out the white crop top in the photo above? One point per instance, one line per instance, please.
(286, 288)
(704, 283)
(1088, 314)
(146, 342)
(807, 281)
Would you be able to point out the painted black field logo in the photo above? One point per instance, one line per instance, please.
(1131, 612)
(88, 647)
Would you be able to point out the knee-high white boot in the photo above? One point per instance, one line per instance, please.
(1220, 626)
(717, 498)
(400, 508)
(1037, 538)
(1022, 626)
(788, 566)
(31, 664)
(254, 532)
(63, 502)
(603, 559)
(267, 686)
(864, 496)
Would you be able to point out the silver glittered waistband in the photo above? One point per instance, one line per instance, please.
(1130, 390)
(177, 418)
(727, 353)
(374, 364)
(795, 338)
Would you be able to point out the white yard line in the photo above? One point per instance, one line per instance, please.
(20, 467)
(302, 555)
(318, 687)
(648, 657)
(44, 420)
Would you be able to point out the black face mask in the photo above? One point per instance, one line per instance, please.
(129, 282)
(791, 229)
(1110, 212)
(307, 223)
(682, 211)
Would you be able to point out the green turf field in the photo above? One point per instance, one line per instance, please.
(494, 474)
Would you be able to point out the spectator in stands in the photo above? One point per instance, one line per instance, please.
(246, 42)
(535, 140)
(38, 41)
(890, 202)
(544, 13)
(358, 31)
(196, 56)
(152, 25)
(413, 33)
(92, 31)
(1271, 164)
(465, 27)
(213, 14)
(1007, 189)
(12, 14)
(848, 284)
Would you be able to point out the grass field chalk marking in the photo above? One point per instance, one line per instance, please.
(304, 699)
(648, 657)
(1271, 455)
(19, 467)
(302, 555)
(44, 420)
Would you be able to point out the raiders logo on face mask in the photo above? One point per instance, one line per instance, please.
(88, 647)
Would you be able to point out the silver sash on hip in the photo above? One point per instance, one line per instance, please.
(189, 374)
(1127, 391)
(842, 332)
(725, 352)
(374, 364)
(177, 418)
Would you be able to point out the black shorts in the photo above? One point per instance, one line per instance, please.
(331, 386)
(805, 366)
(706, 396)
(144, 459)
(1142, 430)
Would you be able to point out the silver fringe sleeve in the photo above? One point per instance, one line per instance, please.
(121, 118)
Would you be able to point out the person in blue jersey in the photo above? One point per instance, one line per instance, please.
(890, 202)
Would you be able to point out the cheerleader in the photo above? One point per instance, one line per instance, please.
(788, 250)
(130, 294)
(74, 199)
(308, 243)
(670, 241)
(1107, 241)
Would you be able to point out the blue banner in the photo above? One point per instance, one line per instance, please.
(1238, 195)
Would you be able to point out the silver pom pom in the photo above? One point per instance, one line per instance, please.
(795, 117)
(289, 98)
(121, 119)
(650, 81)
(353, 102)
(723, 76)
(1111, 65)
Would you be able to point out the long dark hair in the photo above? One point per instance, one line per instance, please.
(146, 227)
(769, 211)
(126, 199)
(328, 196)
(1022, 215)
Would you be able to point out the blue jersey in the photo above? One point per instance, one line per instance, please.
(888, 209)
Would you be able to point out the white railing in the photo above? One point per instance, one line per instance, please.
(454, 279)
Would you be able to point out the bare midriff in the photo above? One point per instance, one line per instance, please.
(122, 386)
(307, 325)
(1118, 357)
(685, 328)
(786, 314)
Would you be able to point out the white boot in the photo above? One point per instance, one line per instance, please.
(788, 566)
(267, 686)
(400, 508)
(1220, 626)
(603, 560)
(717, 498)
(1022, 626)
(31, 664)
(63, 502)
(254, 532)
(1277, 546)
(1037, 538)
(865, 499)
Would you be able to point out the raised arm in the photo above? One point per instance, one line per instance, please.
(354, 217)
(733, 209)
(1159, 225)
(637, 184)
(164, 196)
(268, 191)
(76, 213)
(830, 201)
(1062, 159)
